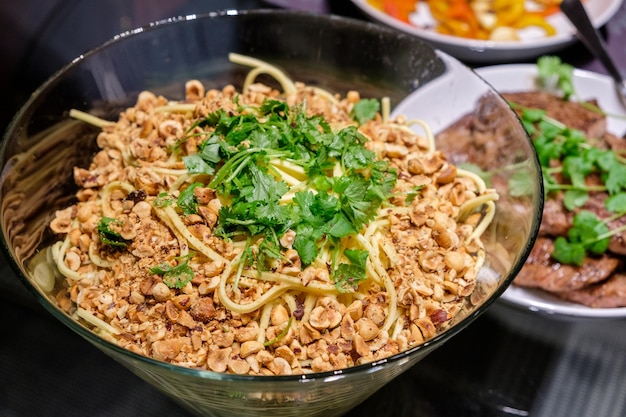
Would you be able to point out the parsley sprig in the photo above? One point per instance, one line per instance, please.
(341, 185)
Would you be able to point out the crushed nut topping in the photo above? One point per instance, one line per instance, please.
(163, 279)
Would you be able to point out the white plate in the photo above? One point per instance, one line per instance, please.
(480, 51)
(588, 85)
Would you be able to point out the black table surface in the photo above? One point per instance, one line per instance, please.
(507, 363)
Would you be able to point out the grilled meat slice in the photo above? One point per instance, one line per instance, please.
(480, 136)
(556, 219)
(541, 271)
(610, 293)
(570, 113)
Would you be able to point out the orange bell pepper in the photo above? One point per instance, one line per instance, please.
(399, 9)
(455, 17)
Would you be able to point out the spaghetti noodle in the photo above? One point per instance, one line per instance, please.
(161, 254)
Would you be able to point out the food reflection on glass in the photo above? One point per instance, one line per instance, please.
(578, 256)
(497, 20)
(247, 231)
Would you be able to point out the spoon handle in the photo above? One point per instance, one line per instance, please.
(589, 35)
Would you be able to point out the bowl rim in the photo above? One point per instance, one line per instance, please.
(97, 340)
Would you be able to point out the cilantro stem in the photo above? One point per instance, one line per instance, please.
(247, 252)
(242, 222)
(609, 233)
(544, 118)
(281, 335)
(614, 217)
(573, 187)
(598, 110)
(227, 168)
(240, 167)
(554, 122)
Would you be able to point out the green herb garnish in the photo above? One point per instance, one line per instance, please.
(588, 234)
(107, 235)
(365, 110)
(163, 200)
(253, 160)
(348, 276)
(566, 153)
(555, 76)
(175, 276)
(186, 200)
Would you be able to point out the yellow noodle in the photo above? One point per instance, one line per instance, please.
(264, 321)
(96, 259)
(89, 118)
(194, 242)
(262, 67)
(95, 321)
(107, 190)
(60, 261)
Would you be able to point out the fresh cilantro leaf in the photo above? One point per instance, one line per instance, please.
(275, 107)
(555, 76)
(306, 245)
(616, 203)
(266, 188)
(271, 213)
(572, 199)
(347, 277)
(341, 226)
(196, 165)
(175, 276)
(577, 168)
(210, 150)
(615, 179)
(521, 184)
(533, 115)
(107, 235)
(357, 257)
(325, 205)
(365, 110)
(588, 230)
(412, 193)
(568, 253)
(187, 201)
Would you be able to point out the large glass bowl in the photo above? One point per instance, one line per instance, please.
(42, 145)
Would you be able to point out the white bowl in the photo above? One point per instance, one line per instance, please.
(482, 51)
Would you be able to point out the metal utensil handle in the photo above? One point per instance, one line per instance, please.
(589, 35)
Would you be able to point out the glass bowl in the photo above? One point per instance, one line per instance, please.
(42, 145)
